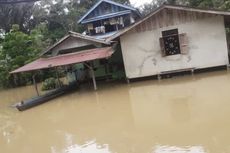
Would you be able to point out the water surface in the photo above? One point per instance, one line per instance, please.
(178, 115)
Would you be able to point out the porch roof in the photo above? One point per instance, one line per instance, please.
(66, 59)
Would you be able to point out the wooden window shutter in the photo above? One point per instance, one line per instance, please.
(183, 39)
(162, 45)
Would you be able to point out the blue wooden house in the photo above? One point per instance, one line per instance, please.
(107, 17)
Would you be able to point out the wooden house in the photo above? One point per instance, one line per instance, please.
(107, 16)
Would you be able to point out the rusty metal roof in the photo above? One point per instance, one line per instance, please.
(66, 59)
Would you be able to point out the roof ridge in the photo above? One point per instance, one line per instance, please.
(108, 1)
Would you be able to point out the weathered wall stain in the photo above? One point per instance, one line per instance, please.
(142, 55)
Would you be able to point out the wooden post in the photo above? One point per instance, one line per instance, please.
(192, 72)
(127, 80)
(107, 70)
(158, 77)
(93, 78)
(15, 79)
(93, 75)
(59, 82)
(35, 84)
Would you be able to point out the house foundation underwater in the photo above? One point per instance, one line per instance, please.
(171, 39)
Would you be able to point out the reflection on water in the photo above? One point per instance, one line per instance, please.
(174, 149)
(179, 115)
(88, 148)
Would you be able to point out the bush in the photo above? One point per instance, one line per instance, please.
(50, 83)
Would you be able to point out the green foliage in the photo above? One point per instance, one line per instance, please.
(17, 49)
(210, 4)
(50, 83)
(16, 14)
(61, 16)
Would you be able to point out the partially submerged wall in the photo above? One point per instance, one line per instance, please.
(207, 47)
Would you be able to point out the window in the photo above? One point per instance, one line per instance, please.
(173, 43)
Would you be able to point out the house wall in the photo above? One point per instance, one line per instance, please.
(72, 42)
(207, 46)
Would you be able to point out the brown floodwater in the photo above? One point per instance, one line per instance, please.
(179, 115)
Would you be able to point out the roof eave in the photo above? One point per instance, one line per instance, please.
(86, 37)
(106, 16)
(201, 10)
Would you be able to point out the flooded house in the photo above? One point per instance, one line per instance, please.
(174, 39)
(170, 39)
(89, 55)
(149, 116)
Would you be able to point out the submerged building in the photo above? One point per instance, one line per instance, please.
(173, 39)
(118, 42)
(89, 55)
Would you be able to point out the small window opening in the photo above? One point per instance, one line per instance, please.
(171, 42)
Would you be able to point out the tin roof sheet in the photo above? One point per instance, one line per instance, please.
(66, 59)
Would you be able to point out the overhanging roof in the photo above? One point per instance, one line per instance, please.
(175, 7)
(66, 59)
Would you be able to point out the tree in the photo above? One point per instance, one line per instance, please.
(17, 50)
(61, 16)
(210, 4)
(218, 4)
(15, 14)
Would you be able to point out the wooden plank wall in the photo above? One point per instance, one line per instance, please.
(168, 17)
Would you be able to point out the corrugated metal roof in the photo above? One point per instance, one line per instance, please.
(105, 35)
(66, 59)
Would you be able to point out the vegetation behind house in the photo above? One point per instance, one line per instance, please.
(27, 29)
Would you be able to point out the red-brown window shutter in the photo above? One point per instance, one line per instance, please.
(163, 53)
(183, 43)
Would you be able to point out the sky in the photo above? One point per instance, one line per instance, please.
(139, 2)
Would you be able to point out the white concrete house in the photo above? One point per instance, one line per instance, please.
(172, 39)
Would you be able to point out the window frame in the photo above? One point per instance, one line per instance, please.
(183, 43)
(167, 34)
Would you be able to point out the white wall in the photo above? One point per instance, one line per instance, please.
(207, 48)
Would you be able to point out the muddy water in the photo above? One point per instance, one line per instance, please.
(179, 115)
